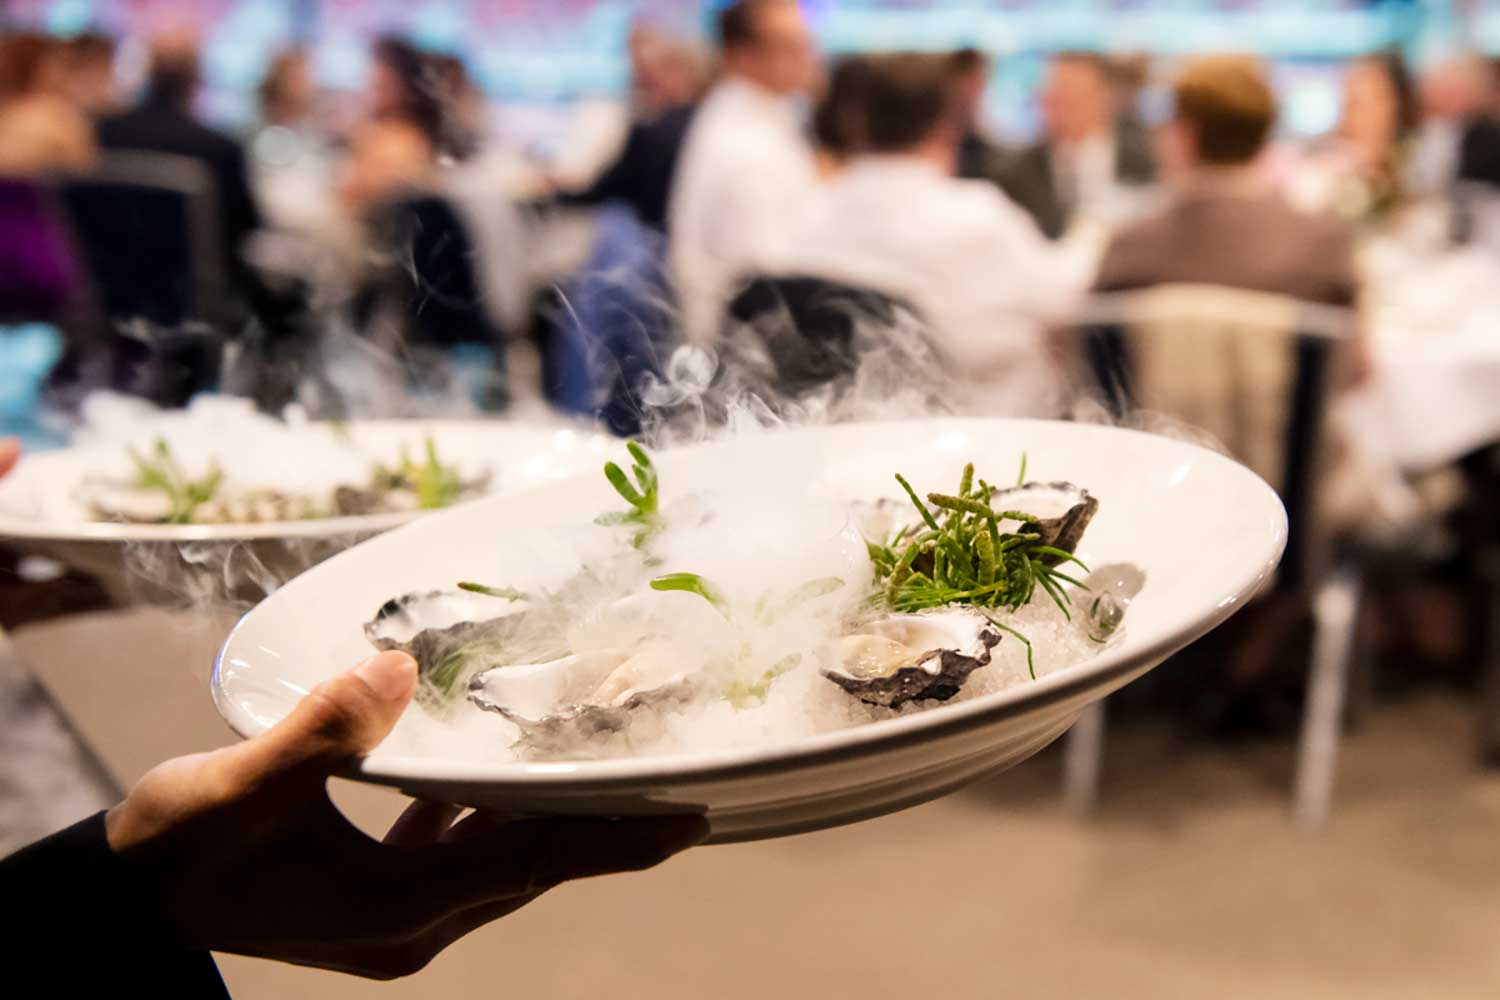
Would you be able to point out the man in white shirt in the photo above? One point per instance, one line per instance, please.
(746, 173)
(969, 261)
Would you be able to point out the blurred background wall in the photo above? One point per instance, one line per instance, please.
(540, 57)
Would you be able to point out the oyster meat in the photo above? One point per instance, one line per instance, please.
(584, 694)
(912, 657)
(1063, 511)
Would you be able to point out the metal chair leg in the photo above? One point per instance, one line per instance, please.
(1083, 761)
(1336, 614)
(1489, 706)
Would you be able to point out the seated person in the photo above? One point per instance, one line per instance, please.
(41, 130)
(164, 122)
(1224, 224)
(971, 262)
(1089, 154)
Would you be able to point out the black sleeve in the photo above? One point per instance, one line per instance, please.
(618, 182)
(84, 921)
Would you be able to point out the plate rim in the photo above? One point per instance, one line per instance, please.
(21, 529)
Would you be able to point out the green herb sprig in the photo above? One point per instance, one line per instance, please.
(691, 583)
(958, 554)
(160, 471)
(436, 485)
(642, 495)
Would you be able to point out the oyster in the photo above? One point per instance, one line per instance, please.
(1062, 509)
(112, 499)
(912, 657)
(560, 702)
(436, 626)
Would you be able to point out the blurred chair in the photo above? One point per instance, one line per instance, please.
(147, 229)
(428, 284)
(792, 335)
(149, 233)
(1255, 372)
(807, 326)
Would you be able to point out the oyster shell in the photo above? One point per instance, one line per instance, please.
(1062, 509)
(434, 625)
(911, 657)
(112, 499)
(561, 702)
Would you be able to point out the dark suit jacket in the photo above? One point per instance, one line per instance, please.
(158, 126)
(641, 175)
(1027, 177)
(1479, 152)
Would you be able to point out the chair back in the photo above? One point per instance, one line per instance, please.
(811, 331)
(1252, 370)
(148, 229)
(430, 290)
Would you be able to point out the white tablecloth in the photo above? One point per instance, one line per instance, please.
(1435, 328)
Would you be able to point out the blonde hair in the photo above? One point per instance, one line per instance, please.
(1229, 105)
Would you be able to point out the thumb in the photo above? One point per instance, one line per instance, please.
(339, 719)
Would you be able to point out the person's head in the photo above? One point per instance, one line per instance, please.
(971, 77)
(1380, 106)
(402, 86)
(768, 43)
(30, 63)
(386, 156)
(1223, 113)
(173, 74)
(838, 122)
(1078, 97)
(287, 94)
(669, 72)
(91, 72)
(910, 106)
(1455, 89)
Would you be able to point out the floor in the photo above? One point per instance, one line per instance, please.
(1190, 882)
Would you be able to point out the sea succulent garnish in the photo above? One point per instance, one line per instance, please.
(435, 484)
(159, 471)
(958, 554)
(642, 495)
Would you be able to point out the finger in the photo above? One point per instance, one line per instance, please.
(524, 858)
(338, 720)
(10, 454)
(422, 823)
(465, 922)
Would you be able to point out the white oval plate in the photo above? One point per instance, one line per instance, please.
(1206, 531)
(37, 500)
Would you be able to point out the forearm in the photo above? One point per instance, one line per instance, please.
(81, 915)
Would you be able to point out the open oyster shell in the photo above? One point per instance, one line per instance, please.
(562, 702)
(1063, 510)
(912, 657)
(433, 626)
(117, 499)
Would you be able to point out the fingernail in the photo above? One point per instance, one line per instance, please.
(391, 675)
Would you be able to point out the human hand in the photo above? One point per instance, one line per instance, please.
(10, 454)
(252, 857)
